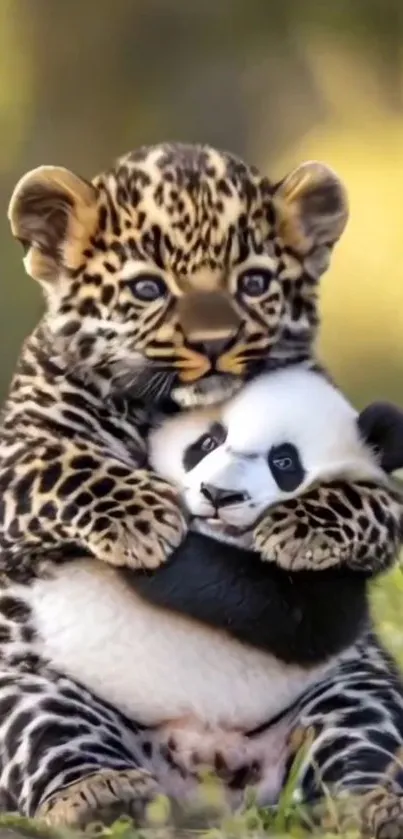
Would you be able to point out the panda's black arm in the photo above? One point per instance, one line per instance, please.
(300, 617)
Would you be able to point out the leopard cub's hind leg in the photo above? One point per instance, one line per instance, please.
(66, 757)
(102, 797)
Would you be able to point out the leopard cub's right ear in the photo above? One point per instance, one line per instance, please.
(51, 212)
(381, 426)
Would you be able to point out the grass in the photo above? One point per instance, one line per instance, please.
(289, 819)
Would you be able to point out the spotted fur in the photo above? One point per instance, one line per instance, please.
(74, 473)
(82, 600)
(349, 727)
(358, 525)
(71, 759)
(178, 273)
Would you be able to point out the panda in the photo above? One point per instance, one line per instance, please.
(282, 434)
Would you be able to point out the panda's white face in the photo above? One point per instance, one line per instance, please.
(284, 432)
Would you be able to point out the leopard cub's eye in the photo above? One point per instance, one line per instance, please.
(147, 287)
(254, 281)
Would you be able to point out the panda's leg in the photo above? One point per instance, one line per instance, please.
(66, 757)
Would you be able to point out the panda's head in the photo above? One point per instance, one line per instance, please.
(283, 433)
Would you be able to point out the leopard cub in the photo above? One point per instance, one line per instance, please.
(176, 275)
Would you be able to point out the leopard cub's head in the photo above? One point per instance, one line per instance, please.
(181, 271)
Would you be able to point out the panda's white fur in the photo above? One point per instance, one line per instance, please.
(156, 666)
(295, 405)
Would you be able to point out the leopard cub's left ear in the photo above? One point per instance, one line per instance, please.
(381, 426)
(311, 206)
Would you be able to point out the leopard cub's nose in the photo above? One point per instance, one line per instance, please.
(214, 347)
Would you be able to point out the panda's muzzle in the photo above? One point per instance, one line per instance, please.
(220, 497)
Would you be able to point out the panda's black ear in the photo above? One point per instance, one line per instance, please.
(381, 425)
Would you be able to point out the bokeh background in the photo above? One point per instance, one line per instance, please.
(276, 81)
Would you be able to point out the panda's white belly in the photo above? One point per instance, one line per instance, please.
(152, 665)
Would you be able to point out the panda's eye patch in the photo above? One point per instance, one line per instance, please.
(286, 466)
(205, 444)
(208, 443)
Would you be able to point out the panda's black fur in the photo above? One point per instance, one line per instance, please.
(300, 616)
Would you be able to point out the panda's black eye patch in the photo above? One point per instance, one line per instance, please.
(214, 437)
(286, 467)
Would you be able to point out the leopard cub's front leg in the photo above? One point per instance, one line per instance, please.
(353, 524)
(123, 516)
(140, 523)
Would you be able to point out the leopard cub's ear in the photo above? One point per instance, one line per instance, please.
(311, 208)
(52, 212)
(381, 426)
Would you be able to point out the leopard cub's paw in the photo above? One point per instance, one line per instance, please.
(382, 815)
(146, 532)
(290, 546)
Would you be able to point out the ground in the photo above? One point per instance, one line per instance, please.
(387, 600)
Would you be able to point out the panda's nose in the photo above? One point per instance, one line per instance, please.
(219, 497)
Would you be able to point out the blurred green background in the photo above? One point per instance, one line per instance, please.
(277, 81)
